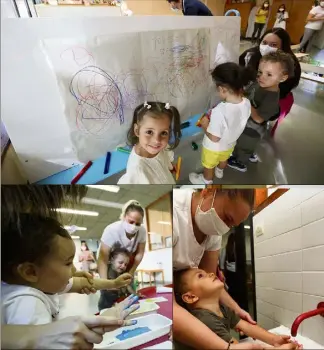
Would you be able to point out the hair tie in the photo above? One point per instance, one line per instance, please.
(167, 105)
(147, 105)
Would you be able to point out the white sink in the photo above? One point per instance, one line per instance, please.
(282, 330)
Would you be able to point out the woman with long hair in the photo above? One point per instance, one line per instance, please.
(272, 40)
(261, 17)
(281, 17)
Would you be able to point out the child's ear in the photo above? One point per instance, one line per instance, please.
(189, 298)
(284, 78)
(28, 272)
(136, 130)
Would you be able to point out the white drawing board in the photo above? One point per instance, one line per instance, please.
(131, 55)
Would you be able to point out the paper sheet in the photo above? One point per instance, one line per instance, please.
(164, 290)
(153, 300)
(100, 86)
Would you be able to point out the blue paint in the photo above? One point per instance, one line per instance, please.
(131, 333)
(118, 162)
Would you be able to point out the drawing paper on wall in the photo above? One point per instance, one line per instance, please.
(102, 79)
(100, 86)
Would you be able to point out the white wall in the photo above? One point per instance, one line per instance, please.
(158, 259)
(290, 260)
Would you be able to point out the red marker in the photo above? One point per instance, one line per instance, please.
(81, 173)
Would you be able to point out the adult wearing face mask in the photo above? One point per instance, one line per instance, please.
(71, 332)
(315, 20)
(200, 218)
(130, 234)
(281, 17)
(260, 20)
(272, 40)
(190, 7)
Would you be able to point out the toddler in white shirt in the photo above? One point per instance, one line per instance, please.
(37, 265)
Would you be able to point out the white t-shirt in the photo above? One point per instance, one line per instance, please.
(318, 11)
(279, 23)
(155, 170)
(187, 252)
(227, 121)
(27, 305)
(115, 232)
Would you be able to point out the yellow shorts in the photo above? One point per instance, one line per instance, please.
(210, 159)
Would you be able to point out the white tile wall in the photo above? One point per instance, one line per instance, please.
(289, 260)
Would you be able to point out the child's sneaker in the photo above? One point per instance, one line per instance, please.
(219, 173)
(254, 158)
(235, 164)
(198, 179)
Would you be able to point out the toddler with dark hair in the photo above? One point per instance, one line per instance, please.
(37, 266)
(199, 292)
(153, 127)
(117, 265)
(227, 121)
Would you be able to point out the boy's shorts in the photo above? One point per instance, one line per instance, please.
(210, 159)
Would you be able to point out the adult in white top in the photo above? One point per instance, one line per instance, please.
(200, 218)
(281, 17)
(142, 170)
(128, 233)
(315, 20)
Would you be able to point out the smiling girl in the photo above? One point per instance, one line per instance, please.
(150, 133)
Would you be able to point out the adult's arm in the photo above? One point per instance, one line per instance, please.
(69, 333)
(103, 258)
(191, 11)
(311, 18)
(138, 257)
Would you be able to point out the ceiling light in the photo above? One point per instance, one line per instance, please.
(77, 212)
(164, 223)
(248, 227)
(102, 203)
(74, 228)
(109, 188)
(75, 237)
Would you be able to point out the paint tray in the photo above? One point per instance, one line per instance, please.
(144, 310)
(158, 326)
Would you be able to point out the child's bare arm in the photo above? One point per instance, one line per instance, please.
(256, 332)
(212, 137)
(255, 116)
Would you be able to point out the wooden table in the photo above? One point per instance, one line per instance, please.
(150, 273)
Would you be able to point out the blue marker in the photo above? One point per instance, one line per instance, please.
(106, 170)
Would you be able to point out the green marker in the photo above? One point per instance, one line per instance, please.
(123, 150)
(194, 146)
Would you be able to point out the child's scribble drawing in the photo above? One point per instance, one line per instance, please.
(102, 79)
(98, 99)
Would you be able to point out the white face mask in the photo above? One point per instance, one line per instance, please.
(209, 222)
(281, 10)
(322, 3)
(130, 228)
(266, 5)
(265, 49)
